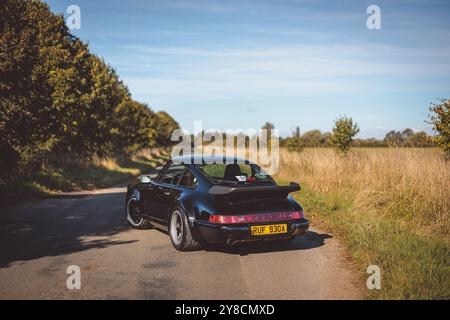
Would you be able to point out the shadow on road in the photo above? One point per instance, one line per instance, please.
(309, 240)
(58, 227)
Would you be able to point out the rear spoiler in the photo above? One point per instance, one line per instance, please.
(227, 190)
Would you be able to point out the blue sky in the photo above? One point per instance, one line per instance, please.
(238, 64)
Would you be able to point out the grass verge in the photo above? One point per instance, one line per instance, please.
(72, 175)
(413, 266)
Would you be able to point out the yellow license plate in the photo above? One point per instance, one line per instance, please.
(268, 229)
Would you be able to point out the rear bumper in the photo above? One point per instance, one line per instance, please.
(218, 233)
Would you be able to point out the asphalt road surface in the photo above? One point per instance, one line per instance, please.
(40, 239)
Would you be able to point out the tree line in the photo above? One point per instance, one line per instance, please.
(316, 138)
(345, 129)
(56, 97)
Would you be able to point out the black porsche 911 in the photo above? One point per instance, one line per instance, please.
(199, 201)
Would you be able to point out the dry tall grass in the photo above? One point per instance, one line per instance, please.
(68, 161)
(409, 185)
(153, 153)
(107, 162)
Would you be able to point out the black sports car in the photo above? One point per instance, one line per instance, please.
(200, 201)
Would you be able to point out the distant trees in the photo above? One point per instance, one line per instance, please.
(407, 138)
(440, 118)
(295, 143)
(269, 127)
(56, 97)
(369, 143)
(344, 131)
(394, 139)
(310, 139)
(317, 139)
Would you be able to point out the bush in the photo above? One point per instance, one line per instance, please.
(343, 133)
(440, 118)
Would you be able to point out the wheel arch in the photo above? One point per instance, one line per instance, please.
(189, 211)
(178, 203)
(133, 191)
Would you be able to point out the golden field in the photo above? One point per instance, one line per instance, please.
(410, 185)
(391, 207)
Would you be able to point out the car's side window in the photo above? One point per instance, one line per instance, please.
(188, 180)
(173, 174)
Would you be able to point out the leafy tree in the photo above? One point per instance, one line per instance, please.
(315, 138)
(57, 97)
(269, 127)
(32, 44)
(440, 118)
(394, 139)
(343, 133)
(420, 140)
(295, 143)
(135, 127)
(164, 125)
(407, 138)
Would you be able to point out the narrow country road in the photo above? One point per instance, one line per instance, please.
(40, 239)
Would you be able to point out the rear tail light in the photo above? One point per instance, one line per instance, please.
(252, 218)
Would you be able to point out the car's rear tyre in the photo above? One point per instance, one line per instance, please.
(134, 216)
(180, 232)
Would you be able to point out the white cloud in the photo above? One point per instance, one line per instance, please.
(199, 73)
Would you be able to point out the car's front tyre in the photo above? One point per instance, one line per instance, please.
(134, 216)
(180, 232)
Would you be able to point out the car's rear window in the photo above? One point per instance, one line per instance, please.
(241, 173)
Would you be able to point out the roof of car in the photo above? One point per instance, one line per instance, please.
(197, 159)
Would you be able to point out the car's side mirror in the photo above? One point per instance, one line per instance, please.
(145, 179)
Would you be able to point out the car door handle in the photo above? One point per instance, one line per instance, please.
(166, 193)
